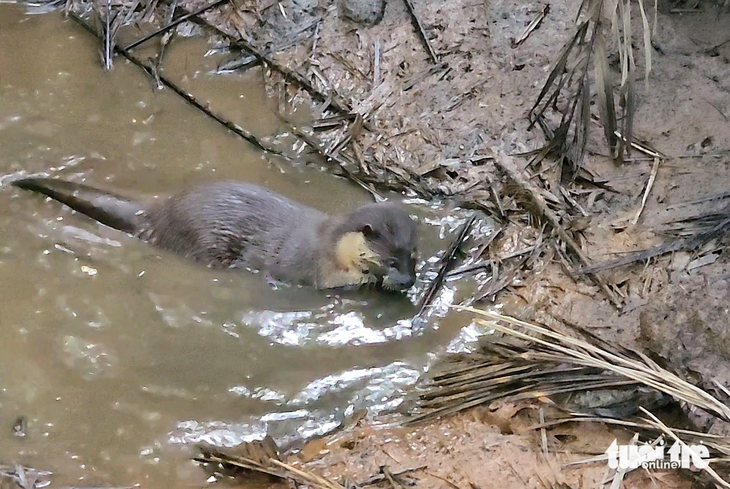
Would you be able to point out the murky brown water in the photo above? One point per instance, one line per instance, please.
(119, 355)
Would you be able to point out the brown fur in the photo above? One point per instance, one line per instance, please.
(240, 225)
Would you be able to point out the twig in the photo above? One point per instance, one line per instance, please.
(164, 41)
(570, 200)
(392, 479)
(246, 464)
(640, 146)
(235, 128)
(718, 109)
(470, 268)
(262, 456)
(709, 198)
(378, 478)
(446, 263)
(621, 472)
(240, 63)
(376, 62)
(327, 123)
(329, 156)
(508, 166)
(413, 80)
(421, 31)
(248, 60)
(353, 130)
(314, 42)
(533, 26)
(649, 185)
(24, 477)
(714, 48)
(307, 476)
(462, 97)
(669, 432)
(504, 281)
(107, 37)
(174, 23)
(543, 434)
(521, 252)
(577, 417)
(352, 69)
(444, 479)
(676, 245)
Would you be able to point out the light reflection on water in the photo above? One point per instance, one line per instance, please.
(379, 389)
(330, 328)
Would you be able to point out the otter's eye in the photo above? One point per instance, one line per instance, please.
(392, 262)
(369, 232)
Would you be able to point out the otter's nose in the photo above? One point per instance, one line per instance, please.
(410, 280)
(399, 280)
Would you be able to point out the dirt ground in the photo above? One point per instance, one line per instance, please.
(434, 128)
(470, 451)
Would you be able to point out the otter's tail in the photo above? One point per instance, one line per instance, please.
(110, 209)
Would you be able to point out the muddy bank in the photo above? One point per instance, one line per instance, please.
(469, 450)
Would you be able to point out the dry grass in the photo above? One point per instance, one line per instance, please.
(561, 359)
(260, 457)
(562, 109)
(535, 362)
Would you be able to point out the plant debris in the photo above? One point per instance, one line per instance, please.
(259, 457)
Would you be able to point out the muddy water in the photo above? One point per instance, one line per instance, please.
(121, 356)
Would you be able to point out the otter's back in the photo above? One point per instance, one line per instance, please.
(230, 224)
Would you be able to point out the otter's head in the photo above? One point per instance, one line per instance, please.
(383, 237)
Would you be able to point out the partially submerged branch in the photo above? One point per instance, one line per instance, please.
(174, 23)
(446, 263)
(235, 128)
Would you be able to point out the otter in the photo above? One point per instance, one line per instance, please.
(241, 225)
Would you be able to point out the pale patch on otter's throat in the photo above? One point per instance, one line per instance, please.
(349, 264)
(352, 251)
